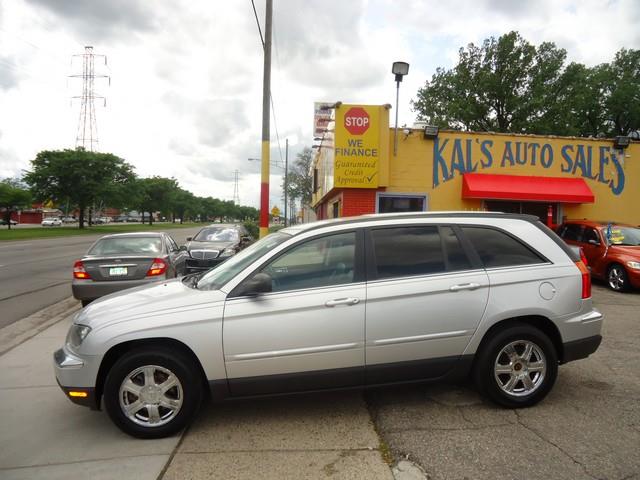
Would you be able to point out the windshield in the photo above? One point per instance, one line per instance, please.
(624, 236)
(127, 246)
(220, 275)
(217, 234)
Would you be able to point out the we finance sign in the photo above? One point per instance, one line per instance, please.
(357, 146)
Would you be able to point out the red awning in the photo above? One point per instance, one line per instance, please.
(515, 187)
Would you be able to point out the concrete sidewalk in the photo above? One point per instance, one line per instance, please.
(46, 436)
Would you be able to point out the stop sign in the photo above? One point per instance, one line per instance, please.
(356, 120)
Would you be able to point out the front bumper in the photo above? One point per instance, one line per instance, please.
(90, 289)
(76, 377)
(196, 265)
(634, 277)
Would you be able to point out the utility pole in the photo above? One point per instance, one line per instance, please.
(266, 95)
(236, 192)
(87, 133)
(286, 170)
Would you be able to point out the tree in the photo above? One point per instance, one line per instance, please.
(155, 194)
(79, 177)
(300, 178)
(13, 197)
(182, 203)
(622, 92)
(509, 85)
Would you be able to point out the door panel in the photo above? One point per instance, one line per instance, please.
(419, 320)
(297, 338)
(308, 333)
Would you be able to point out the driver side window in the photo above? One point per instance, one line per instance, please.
(320, 262)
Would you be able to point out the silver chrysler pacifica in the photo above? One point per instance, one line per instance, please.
(344, 303)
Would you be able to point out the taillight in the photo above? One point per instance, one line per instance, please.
(158, 267)
(583, 257)
(586, 279)
(79, 271)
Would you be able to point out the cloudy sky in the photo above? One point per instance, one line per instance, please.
(186, 75)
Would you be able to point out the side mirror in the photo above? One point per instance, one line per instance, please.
(593, 242)
(183, 248)
(189, 239)
(259, 283)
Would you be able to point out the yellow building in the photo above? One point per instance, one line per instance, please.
(356, 171)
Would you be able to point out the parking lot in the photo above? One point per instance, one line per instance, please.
(588, 427)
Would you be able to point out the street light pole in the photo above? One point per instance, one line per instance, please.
(399, 69)
(286, 170)
(266, 95)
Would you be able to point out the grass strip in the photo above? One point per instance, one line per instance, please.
(28, 233)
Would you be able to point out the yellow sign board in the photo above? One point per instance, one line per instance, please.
(275, 211)
(357, 146)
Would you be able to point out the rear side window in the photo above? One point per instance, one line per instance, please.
(456, 257)
(406, 251)
(571, 231)
(497, 249)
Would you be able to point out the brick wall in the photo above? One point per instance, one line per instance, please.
(358, 201)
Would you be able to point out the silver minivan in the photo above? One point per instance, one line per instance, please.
(346, 303)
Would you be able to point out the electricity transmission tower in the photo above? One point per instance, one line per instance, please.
(87, 134)
(236, 192)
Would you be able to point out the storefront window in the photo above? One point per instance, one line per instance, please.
(539, 209)
(390, 203)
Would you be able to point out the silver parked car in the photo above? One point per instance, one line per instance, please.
(125, 260)
(351, 302)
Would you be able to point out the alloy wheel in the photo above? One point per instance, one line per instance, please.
(151, 396)
(616, 278)
(520, 368)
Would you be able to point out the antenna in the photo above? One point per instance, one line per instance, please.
(87, 135)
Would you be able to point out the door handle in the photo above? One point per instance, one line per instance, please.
(464, 286)
(341, 301)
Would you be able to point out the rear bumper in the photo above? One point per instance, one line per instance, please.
(582, 348)
(89, 289)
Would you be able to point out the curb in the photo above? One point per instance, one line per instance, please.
(19, 332)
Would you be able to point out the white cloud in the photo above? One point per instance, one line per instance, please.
(186, 92)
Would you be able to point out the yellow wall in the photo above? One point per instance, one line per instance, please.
(613, 179)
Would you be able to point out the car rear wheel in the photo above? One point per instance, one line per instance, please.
(517, 366)
(617, 278)
(152, 393)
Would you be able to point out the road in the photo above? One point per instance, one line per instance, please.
(37, 273)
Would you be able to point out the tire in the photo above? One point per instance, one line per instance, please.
(520, 351)
(617, 278)
(137, 379)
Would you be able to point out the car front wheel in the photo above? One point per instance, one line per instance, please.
(617, 278)
(152, 393)
(517, 366)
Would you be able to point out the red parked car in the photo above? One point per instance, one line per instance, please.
(612, 250)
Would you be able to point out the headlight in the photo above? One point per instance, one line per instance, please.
(634, 265)
(227, 252)
(77, 334)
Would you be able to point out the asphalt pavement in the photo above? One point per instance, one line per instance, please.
(37, 273)
(588, 427)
